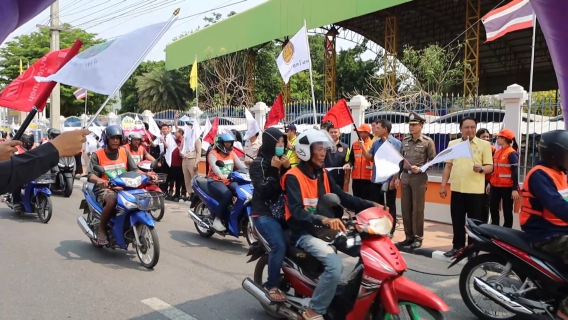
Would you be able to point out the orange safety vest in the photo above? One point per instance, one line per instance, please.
(113, 168)
(228, 160)
(488, 176)
(502, 173)
(136, 155)
(362, 168)
(308, 189)
(559, 179)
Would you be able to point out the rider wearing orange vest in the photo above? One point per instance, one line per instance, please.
(505, 178)
(135, 149)
(303, 185)
(544, 211)
(115, 161)
(362, 169)
(218, 183)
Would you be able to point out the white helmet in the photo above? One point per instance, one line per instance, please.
(309, 137)
(134, 135)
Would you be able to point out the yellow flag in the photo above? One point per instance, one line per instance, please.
(21, 67)
(193, 75)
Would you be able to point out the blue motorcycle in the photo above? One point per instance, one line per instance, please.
(36, 198)
(237, 222)
(132, 223)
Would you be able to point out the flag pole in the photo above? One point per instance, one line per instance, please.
(196, 85)
(86, 97)
(311, 75)
(170, 21)
(530, 96)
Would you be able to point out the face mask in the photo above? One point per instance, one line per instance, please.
(279, 151)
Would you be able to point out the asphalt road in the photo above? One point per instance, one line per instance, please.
(53, 272)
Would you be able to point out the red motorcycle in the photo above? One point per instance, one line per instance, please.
(375, 289)
(153, 187)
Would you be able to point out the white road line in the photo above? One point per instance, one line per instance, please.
(167, 310)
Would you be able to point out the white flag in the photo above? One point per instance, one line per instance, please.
(208, 125)
(458, 150)
(252, 126)
(386, 161)
(295, 56)
(102, 67)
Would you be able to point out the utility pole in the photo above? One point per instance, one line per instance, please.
(54, 28)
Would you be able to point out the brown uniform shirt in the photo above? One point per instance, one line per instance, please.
(418, 152)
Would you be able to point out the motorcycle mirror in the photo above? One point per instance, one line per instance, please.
(330, 200)
(219, 163)
(385, 187)
(99, 169)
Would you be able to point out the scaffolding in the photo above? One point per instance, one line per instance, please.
(471, 48)
(330, 55)
(389, 65)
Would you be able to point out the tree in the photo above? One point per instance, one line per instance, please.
(32, 47)
(129, 92)
(160, 90)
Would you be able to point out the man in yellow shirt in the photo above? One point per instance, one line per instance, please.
(291, 153)
(467, 177)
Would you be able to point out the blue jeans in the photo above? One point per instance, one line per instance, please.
(271, 230)
(328, 281)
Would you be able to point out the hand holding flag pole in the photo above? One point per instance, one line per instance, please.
(166, 26)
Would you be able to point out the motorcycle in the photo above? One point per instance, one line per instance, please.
(237, 222)
(64, 176)
(526, 282)
(132, 223)
(375, 289)
(36, 198)
(153, 187)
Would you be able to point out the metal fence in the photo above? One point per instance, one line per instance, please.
(442, 113)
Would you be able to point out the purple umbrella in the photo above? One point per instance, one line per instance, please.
(15, 13)
(551, 15)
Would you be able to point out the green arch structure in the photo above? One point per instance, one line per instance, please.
(271, 20)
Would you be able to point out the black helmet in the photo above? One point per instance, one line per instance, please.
(552, 147)
(53, 133)
(27, 140)
(112, 131)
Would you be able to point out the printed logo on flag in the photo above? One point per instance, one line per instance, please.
(288, 52)
(94, 50)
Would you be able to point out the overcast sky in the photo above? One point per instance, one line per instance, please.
(111, 18)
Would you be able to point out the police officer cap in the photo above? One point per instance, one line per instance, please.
(414, 118)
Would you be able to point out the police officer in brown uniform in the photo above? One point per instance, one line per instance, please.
(417, 150)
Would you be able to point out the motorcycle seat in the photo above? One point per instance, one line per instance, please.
(519, 240)
(304, 259)
(202, 184)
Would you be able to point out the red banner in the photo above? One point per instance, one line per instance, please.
(339, 115)
(25, 92)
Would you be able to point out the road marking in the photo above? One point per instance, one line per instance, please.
(167, 310)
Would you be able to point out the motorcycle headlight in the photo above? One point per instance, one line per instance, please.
(380, 226)
(249, 196)
(132, 182)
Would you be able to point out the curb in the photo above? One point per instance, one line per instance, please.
(428, 253)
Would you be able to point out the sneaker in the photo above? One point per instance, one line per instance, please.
(218, 225)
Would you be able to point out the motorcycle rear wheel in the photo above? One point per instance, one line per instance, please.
(206, 233)
(258, 278)
(68, 187)
(43, 207)
(409, 311)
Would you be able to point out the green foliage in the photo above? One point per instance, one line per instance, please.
(160, 90)
(129, 92)
(31, 48)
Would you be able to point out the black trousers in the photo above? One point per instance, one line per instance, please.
(362, 189)
(379, 197)
(178, 180)
(485, 206)
(462, 206)
(497, 195)
(165, 169)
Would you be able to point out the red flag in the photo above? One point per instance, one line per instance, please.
(276, 113)
(210, 137)
(339, 115)
(25, 92)
(238, 152)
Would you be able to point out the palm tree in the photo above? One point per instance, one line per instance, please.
(160, 90)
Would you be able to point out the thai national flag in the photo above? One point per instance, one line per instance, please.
(516, 15)
(80, 93)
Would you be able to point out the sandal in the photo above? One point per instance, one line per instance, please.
(306, 316)
(102, 241)
(275, 292)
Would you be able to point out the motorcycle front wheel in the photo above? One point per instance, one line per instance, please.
(410, 311)
(149, 250)
(43, 207)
